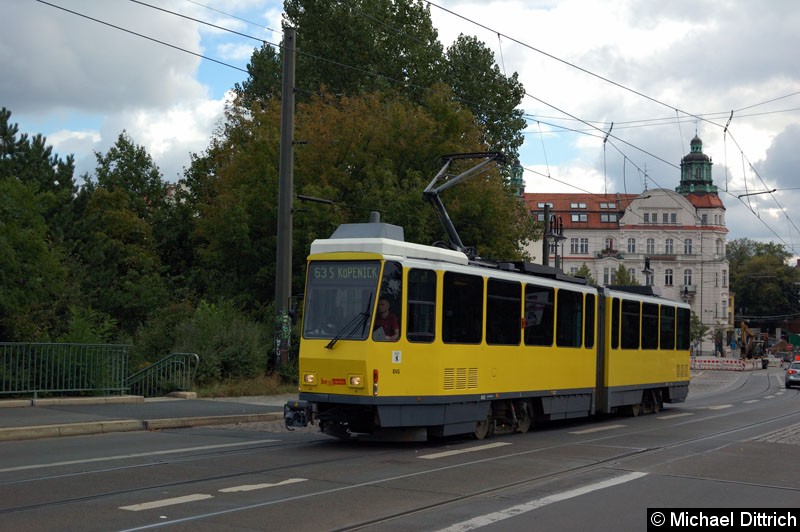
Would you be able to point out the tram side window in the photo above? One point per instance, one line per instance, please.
(503, 307)
(615, 323)
(386, 326)
(588, 322)
(421, 326)
(462, 309)
(539, 315)
(649, 326)
(683, 325)
(630, 324)
(667, 327)
(570, 318)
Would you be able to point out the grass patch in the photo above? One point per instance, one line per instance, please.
(263, 385)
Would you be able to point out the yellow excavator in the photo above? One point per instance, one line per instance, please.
(752, 344)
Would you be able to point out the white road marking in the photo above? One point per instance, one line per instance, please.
(719, 407)
(597, 429)
(673, 416)
(462, 451)
(251, 487)
(135, 455)
(166, 502)
(752, 401)
(494, 517)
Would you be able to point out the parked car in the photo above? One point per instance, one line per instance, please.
(793, 374)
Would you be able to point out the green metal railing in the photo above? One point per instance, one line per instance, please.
(175, 372)
(34, 368)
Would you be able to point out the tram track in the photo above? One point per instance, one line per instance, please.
(370, 451)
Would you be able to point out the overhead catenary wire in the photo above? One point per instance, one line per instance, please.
(500, 35)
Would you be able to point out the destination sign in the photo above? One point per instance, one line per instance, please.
(345, 271)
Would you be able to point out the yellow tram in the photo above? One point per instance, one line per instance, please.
(406, 340)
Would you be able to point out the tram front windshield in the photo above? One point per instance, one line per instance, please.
(340, 296)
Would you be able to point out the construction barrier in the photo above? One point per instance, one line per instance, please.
(729, 364)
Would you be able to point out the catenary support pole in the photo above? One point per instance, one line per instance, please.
(283, 273)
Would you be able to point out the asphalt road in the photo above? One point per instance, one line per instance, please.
(731, 445)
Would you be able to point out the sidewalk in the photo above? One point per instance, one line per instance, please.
(22, 419)
(47, 418)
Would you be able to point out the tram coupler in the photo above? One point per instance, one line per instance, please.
(296, 414)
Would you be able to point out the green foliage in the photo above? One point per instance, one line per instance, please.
(697, 331)
(229, 344)
(623, 278)
(764, 284)
(34, 276)
(157, 337)
(87, 326)
(586, 273)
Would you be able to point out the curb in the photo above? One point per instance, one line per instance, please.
(128, 425)
(61, 401)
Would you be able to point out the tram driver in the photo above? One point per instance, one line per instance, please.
(386, 326)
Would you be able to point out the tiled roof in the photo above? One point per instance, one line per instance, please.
(593, 205)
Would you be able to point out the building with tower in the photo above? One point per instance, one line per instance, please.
(672, 240)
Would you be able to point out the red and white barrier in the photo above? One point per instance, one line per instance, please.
(729, 364)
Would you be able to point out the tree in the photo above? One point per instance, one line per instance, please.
(373, 152)
(623, 278)
(389, 46)
(34, 276)
(697, 331)
(494, 98)
(586, 273)
(764, 284)
(129, 168)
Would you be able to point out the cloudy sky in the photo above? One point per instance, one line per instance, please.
(660, 71)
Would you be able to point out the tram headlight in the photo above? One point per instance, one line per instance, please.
(355, 381)
(310, 379)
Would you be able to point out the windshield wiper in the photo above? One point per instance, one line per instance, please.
(359, 320)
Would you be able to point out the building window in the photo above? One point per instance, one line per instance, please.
(719, 247)
(608, 205)
(665, 218)
(577, 205)
(579, 217)
(544, 204)
(647, 217)
(716, 279)
(584, 250)
(673, 218)
(608, 217)
(668, 247)
(539, 216)
(609, 243)
(609, 276)
(651, 246)
(631, 245)
(631, 274)
(724, 277)
(687, 277)
(687, 246)
(704, 219)
(668, 277)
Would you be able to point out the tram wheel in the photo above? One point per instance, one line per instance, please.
(524, 420)
(658, 404)
(635, 409)
(483, 428)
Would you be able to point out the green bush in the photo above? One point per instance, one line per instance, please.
(230, 345)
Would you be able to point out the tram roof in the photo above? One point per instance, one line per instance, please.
(387, 246)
